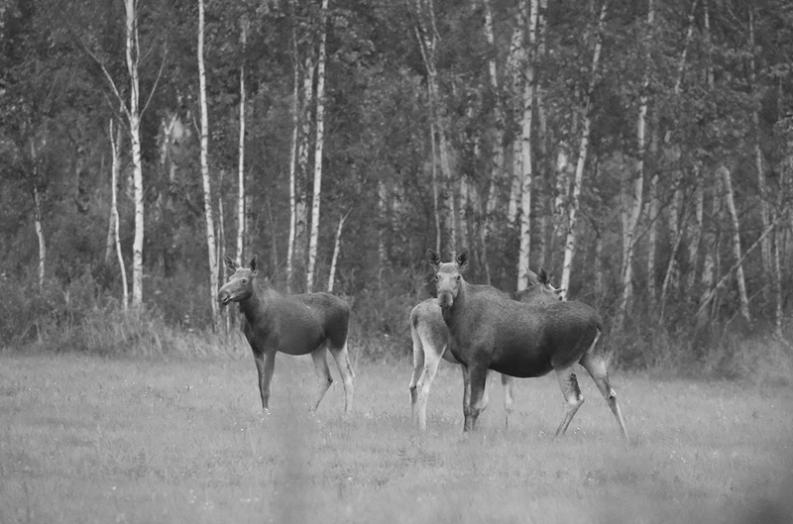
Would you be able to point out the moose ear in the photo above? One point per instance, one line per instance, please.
(462, 259)
(230, 264)
(252, 263)
(434, 258)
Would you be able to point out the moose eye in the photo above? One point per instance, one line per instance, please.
(458, 278)
(436, 277)
(244, 280)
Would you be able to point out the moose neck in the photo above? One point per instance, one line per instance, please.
(451, 312)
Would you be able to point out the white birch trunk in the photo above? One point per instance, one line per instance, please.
(526, 172)
(290, 245)
(729, 199)
(303, 151)
(115, 167)
(572, 215)
(631, 211)
(652, 237)
(313, 238)
(210, 222)
(336, 250)
(133, 115)
(241, 149)
(778, 297)
(39, 227)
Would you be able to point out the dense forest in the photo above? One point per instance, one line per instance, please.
(640, 151)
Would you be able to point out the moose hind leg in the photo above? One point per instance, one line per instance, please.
(596, 366)
(342, 357)
(323, 374)
(572, 395)
(509, 398)
(265, 364)
(418, 368)
(432, 360)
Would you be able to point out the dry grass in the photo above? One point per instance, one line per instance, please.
(87, 439)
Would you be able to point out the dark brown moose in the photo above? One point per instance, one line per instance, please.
(431, 340)
(309, 323)
(520, 339)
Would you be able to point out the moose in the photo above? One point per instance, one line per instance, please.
(431, 339)
(520, 339)
(309, 323)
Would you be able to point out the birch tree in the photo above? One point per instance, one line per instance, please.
(762, 185)
(133, 111)
(241, 148)
(729, 199)
(133, 118)
(427, 36)
(293, 211)
(208, 213)
(318, 145)
(114, 133)
(632, 206)
(38, 222)
(583, 148)
(526, 172)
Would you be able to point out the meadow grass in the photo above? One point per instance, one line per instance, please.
(92, 439)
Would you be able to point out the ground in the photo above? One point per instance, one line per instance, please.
(90, 439)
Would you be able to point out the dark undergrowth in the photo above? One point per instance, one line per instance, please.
(82, 317)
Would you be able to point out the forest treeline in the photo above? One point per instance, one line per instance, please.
(640, 152)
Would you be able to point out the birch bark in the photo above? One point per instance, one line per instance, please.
(208, 213)
(583, 148)
(319, 138)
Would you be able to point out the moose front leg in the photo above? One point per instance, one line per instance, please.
(265, 364)
(477, 404)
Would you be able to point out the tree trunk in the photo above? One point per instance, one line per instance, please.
(729, 199)
(39, 227)
(583, 148)
(133, 115)
(303, 153)
(210, 223)
(290, 246)
(778, 299)
(762, 186)
(695, 231)
(241, 148)
(336, 250)
(652, 237)
(632, 211)
(115, 167)
(313, 238)
(427, 35)
(526, 173)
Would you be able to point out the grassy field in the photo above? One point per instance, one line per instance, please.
(86, 439)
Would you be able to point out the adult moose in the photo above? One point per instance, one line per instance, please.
(520, 339)
(310, 323)
(431, 339)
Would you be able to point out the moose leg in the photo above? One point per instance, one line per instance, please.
(265, 364)
(418, 368)
(323, 373)
(466, 391)
(596, 366)
(342, 357)
(509, 399)
(572, 394)
(432, 360)
(478, 380)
